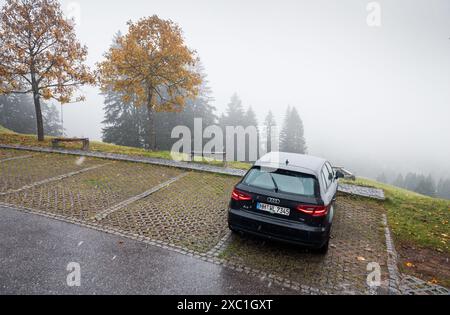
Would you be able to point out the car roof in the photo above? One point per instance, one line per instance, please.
(297, 162)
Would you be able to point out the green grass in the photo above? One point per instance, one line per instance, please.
(415, 219)
(8, 137)
(5, 131)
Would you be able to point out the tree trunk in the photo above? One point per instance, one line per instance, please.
(151, 118)
(39, 120)
(37, 106)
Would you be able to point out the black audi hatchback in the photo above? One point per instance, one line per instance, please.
(287, 197)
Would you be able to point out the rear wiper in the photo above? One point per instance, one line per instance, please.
(275, 183)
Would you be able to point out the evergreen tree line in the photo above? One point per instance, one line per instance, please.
(126, 124)
(425, 185)
(129, 125)
(18, 114)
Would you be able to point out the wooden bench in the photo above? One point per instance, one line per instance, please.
(85, 141)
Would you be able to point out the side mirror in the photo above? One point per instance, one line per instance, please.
(339, 174)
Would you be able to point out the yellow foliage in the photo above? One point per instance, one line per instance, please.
(49, 61)
(152, 66)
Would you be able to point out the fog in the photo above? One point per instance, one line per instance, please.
(370, 97)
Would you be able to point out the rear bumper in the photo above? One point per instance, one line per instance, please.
(277, 229)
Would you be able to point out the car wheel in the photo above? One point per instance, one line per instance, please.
(324, 249)
(233, 230)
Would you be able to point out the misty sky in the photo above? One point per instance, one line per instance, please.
(377, 94)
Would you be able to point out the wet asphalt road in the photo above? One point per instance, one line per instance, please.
(35, 252)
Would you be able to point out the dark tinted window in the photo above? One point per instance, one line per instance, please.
(324, 178)
(327, 175)
(283, 181)
(330, 169)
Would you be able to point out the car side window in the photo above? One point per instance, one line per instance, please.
(325, 178)
(326, 174)
(330, 169)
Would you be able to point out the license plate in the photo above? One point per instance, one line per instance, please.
(273, 209)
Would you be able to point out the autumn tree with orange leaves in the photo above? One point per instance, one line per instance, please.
(40, 54)
(152, 67)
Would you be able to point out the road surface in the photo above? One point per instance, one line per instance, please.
(35, 252)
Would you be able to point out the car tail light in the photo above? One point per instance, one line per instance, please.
(315, 211)
(240, 196)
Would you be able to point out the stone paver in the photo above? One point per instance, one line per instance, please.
(368, 192)
(139, 159)
(16, 174)
(122, 205)
(191, 213)
(11, 154)
(413, 286)
(23, 157)
(357, 240)
(85, 195)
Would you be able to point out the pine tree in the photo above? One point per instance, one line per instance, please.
(292, 134)
(122, 122)
(443, 189)
(200, 107)
(251, 121)
(234, 114)
(17, 113)
(52, 121)
(269, 124)
(426, 186)
(411, 181)
(400, 181)
(382, 178)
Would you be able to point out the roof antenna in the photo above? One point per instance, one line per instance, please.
(287, 162)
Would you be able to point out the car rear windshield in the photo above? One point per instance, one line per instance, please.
(282, 181)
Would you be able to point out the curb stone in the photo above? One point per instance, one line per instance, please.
(392, 261)
(136, 159)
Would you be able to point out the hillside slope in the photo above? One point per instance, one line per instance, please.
(421, 229)
(5, 130)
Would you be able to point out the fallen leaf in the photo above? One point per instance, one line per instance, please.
(361, 258)
(433, 281)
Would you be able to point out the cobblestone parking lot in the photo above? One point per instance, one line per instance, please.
(357, 239)
(10, 154)
(188, 210)
(191, 214)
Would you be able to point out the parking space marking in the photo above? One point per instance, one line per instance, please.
(105, 213)
(53, 179)
(16, 158)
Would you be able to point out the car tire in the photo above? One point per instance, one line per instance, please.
(324, 249)
(234, 231)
